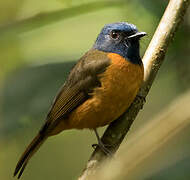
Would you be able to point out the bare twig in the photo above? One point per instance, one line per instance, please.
(148, 139)
(152, 60)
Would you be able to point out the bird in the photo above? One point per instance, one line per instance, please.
(99, 88)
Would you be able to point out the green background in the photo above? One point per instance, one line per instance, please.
(38, 47)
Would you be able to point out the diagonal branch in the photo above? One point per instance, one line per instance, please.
(152, 60)
(143, 144)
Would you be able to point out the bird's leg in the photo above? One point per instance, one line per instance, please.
(101, 144)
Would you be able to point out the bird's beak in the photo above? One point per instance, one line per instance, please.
(137, 35)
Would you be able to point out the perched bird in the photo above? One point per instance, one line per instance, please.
(99, 88)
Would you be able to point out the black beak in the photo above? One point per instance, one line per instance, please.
(137, 35)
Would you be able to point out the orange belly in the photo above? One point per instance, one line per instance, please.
(120, 84)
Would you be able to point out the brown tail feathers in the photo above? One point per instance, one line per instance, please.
(28, 153)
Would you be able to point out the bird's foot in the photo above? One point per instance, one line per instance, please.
(103, 147)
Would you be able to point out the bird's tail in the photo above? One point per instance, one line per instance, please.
(28, 153)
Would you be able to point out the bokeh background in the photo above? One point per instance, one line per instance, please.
(39, 43)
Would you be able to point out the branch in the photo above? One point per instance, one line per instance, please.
(152, 60)
(43, 19)
(148, 139)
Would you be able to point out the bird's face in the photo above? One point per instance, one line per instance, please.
(121, 38)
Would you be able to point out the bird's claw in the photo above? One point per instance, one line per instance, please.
(103, 147)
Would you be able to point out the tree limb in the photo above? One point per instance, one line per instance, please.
(152, 60)
(147, 140)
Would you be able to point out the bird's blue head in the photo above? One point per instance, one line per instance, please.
(121, 38)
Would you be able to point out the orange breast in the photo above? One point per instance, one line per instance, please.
(120, 84)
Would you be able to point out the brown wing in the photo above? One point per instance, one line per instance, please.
(82, 79)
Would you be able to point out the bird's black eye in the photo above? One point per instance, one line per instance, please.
(115, 35)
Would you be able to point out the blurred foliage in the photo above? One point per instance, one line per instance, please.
(32, 106)
(39, 45)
